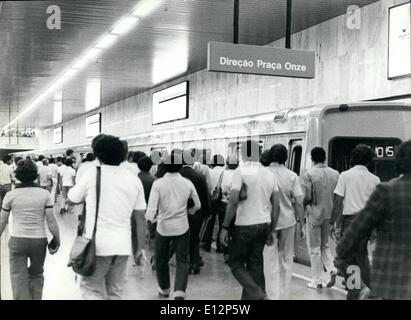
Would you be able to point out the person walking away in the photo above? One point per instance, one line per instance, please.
(6, 177)
(278, 258)
(45, 176)
(147, 179)
(232, 165)
(67, 176)
(217, 207)
(319, 184)
(196, 220)
(167, 206)
(121, 197)
(54, 177)
(254, 200)
(353, 190)
(388, 212)
(31, 207)
(89, 164)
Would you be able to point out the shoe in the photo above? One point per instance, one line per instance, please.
(331, 281)
(364, 293)
(201, 263)
(164, 294)
(315, 284)
(195, 269)
(62, 211)
(179, 298)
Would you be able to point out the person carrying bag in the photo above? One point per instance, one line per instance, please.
(83, 252)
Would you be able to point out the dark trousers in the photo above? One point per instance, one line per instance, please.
(195, 222)
(27, 282)
(181, 246)
(217, 210)
(4, 188)
(134, 242)
(246, 259)
(359, 258)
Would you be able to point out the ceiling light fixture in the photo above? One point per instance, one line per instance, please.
(124, 25)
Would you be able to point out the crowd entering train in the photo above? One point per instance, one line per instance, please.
(178, 203)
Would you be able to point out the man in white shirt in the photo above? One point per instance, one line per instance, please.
(278, 258)
(67, 176)
(254, 200)
(217, 207)
(168, 205)
(6, 176)
(353, 190)
(121, 197)
(45, 176)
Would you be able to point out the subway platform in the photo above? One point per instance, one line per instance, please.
(215, 282)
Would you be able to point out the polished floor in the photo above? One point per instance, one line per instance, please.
(215, 282)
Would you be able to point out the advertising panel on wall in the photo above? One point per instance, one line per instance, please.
(58, 135)
(93, 125)
(399, 42)
(171, 104)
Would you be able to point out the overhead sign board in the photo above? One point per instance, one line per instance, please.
(269, 61)
(399, 43)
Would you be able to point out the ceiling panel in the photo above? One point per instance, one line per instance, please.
(170, 42)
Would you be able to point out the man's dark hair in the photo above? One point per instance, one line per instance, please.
(6, 158)
(90, 157)
(59, 159)
(362, 155)
(109, 150)
(17, 159)
(95, 139)
(26, 171)
(41, 157)
(250, 151)
(145, 163)
(232, 162)
(403, 158)
(137, 155)
(68, 162)
(279, 153)
(172, 163)
(69, 152)
(318, 155)
(217, 161)
(265, 158)
(52, 160)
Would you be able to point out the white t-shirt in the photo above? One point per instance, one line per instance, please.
(45, 175)
(120, 194)
(261, 184)
(131, 167)
(356, 186)
(289, 189)
(67, 174)
(226, 184)
(54, 170)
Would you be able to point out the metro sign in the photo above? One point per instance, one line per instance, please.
(269, 61)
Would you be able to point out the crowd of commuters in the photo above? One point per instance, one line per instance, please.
(177, 203)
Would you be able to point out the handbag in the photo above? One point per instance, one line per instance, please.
(217, 192)
(83, 252)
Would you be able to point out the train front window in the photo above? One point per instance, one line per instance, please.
(383, 165)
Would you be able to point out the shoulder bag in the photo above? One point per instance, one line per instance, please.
(83, 252)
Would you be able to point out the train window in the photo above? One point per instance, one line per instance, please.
(296, 156)
(234, 147)
(383, 165)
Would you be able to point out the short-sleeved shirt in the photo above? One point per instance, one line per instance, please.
(120, 194)
(261, 184)
(168, 204)
(45, 174)
(356, 186)
(319, 184)
(67, 173)
(54, 170)
(28, 205)
(289, 189)
(226, 185)
(6, 173)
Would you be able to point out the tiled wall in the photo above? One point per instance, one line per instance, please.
(351, 65)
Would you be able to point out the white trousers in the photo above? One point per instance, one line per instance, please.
(278, 264)
(320, 254)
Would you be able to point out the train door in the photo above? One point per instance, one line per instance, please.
(295, 156)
